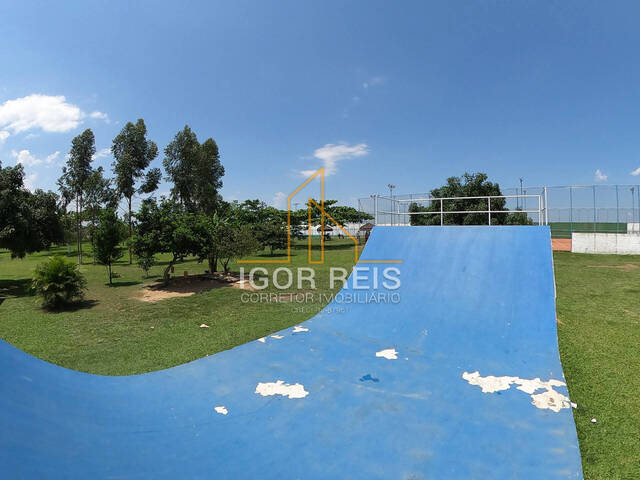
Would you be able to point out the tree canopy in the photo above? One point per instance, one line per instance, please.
(195, 171)
(29, 222)
(468, 185)
(133, 154)
(75, 176)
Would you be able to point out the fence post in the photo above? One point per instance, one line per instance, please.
(595, 217)
(546, 207)
(571, 212)
(441, 219)
(489, 209)
(539, 210)
(375, 209)
(617, 211)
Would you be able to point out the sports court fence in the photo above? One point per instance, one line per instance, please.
(566, 209)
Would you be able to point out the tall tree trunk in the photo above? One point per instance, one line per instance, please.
(130, 233)
(167, 270)
(110, 283)
(78, 230)
(213, 263)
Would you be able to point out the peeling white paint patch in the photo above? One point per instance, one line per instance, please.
(299, 329)
(548, 399)
(262, 339)
(280, 388)
(221, 409)
(277, 337)
(389, 354)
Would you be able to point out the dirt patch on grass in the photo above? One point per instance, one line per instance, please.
(187, 286)
(627, 267)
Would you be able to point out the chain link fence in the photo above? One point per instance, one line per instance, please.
(589, 208)
(567, 209)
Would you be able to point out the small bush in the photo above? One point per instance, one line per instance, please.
(145, 262)
(58, 282)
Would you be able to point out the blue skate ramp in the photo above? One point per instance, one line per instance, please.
(453, 375)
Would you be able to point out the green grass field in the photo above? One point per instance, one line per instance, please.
(599, 335)
(112, 333)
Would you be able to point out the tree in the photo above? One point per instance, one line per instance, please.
(45, 225)
(98, 195)
(28, 221)
(75, 175)
(340, 213)
(469, 185)
(223, 238)
(107, 238)
(235, 241)
(133, 153)
(195, 171)
(165, 228)
(518, 218)
(273, 235)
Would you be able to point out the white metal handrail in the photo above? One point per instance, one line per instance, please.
(541, 210)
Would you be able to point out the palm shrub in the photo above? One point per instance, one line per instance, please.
(58, 282)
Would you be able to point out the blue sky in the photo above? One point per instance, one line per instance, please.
(377, 92)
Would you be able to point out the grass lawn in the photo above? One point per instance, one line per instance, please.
(112, 334)
(599, 335)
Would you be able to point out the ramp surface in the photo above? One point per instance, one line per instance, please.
(473, 328)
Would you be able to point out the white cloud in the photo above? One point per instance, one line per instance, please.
(24, 157)
(331, 154)
(3, 135)
(279, 200)
(600, 177)
(50, 113)
(30, 181)
(375, 81)
(100, 116)
(636, 172)
(103, 152)
(51, 158)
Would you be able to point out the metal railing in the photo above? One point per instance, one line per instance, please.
(398, 209)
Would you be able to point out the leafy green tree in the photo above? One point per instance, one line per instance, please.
(195, 171)
(222, 239)
(107, 239)
(75, 176)
(58, 282)
(145, 262)
(273, 235)
(98, 195)
(28, 221)
(341, 214)
(209, 229)
(468, 185)
(133, 154)
(236, 241)
(518, 218)
(165, 228)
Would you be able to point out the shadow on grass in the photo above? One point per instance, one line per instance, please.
(15, 288)
(74, 307)
(123, 284)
